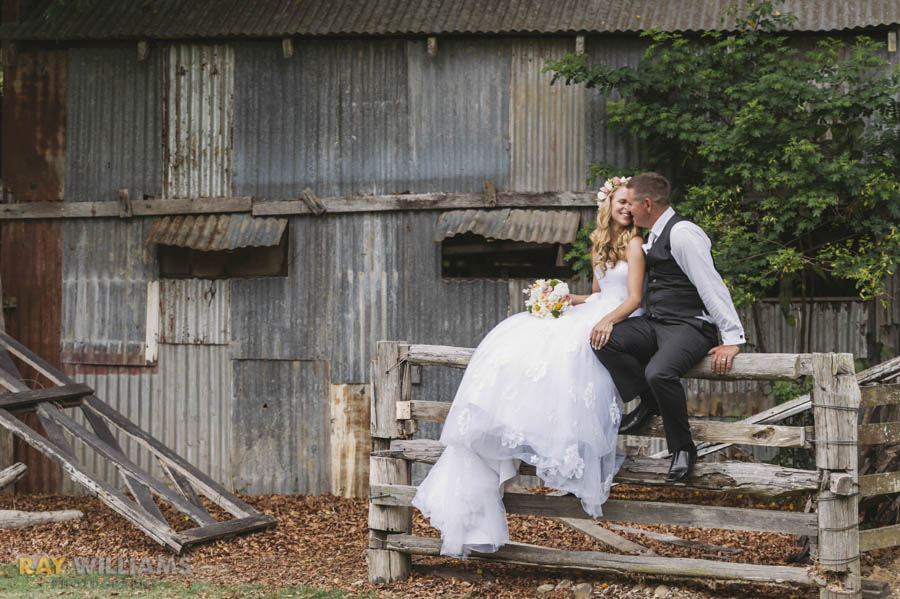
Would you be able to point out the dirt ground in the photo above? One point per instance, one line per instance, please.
(321, 541)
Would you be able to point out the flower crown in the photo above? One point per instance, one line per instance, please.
(609, 187)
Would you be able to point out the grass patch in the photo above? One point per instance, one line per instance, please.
(69, 584)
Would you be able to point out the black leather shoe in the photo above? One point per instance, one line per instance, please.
(638, 417)
(683, 461)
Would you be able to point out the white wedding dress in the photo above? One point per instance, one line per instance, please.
(533, 391)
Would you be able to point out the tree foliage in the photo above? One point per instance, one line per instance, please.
(785, 151)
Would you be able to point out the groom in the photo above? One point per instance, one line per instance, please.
(686, 307)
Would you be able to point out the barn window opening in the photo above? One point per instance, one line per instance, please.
(506, 244)
(220, 246)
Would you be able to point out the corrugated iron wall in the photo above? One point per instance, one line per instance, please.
(459, 114)
(546, 124)
(198, 119)
(34, 139)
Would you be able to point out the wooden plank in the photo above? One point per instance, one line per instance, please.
(736, 477)
(23, 401)
(11, 474)
(532, 555)
(430, 201)
(765, 435)
(113, 208)
(33, 360)
(835, 401)
(771, 367)
(181, 484)
(606, 536)
(228, 528)
(350, 441)
(876, 434)
(139, 491)
(878, 484)
(879, 395)
(210, 488)
(391, 384)
(645, 512)
(879, 538)
(125, 465)
(673, 540)
(109, 495)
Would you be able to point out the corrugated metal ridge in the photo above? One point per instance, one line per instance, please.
(176, 19)
(217, 231)
(533, 226)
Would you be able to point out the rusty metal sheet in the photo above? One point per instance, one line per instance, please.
(547, 123)
(198, 120)
(533, 226)
(217, 232)
(195, 311)
(174, 19)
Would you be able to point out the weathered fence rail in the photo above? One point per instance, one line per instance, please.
(833, 526)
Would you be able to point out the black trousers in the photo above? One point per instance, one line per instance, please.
(648, 357)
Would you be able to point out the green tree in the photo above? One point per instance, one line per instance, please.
(787, 156)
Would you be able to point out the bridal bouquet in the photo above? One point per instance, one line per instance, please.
(547, 298)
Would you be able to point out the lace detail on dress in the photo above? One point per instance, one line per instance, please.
(537, 371)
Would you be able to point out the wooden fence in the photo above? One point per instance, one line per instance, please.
(832, 528)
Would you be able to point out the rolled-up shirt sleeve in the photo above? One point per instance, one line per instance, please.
(691, 250)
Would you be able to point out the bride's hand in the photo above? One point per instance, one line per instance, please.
(575, 299)
(601, 333)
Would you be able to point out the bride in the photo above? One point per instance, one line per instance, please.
(535, 392)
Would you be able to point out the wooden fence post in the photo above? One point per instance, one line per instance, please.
(390, 385)
(835, 402)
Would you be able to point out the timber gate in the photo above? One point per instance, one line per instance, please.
(185, 479)
(832, 527)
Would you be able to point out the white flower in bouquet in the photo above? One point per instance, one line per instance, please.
(547, 298)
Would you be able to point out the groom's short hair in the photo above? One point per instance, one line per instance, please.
(651, 185)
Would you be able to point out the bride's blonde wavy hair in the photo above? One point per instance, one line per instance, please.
(605, 250)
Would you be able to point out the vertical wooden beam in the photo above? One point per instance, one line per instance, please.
(579, 43)
(432, 46)
(390, 385)
(287, 47)
(350, 440)
(835, 402)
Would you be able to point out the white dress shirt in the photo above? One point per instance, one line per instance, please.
(691, 250)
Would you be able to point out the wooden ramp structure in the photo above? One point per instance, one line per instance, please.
(184, 480)
(833, 527)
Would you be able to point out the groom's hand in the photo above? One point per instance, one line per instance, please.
(722, 356)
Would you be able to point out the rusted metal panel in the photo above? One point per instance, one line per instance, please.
(106, 272)
(281, 424)
(34, 126)
(533, 226)
(114, 131)
(547, 123)
(216, 232)
(195, 311)
(174, 19)
(34, 142)
(333, 118)
(459, 114)
(198, 120)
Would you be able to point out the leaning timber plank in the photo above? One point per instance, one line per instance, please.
(673, 540)
(879, 538)
(118, 502)
(738, 477)
(33, 360)
(766, 435)
(10, 475)
(645, 512)
(882, 432)
(125, 465)
(606, 536)
(771, 367)
(137, 489)
(878, 484)
(12, 383)
(210, 488)
(67, 395)
(145, 207)
(182, 485)
(427, 201)
(20, 519)
(520, 553)
(229, 528)
(879, 395)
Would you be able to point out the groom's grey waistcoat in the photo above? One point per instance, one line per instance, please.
(669, 293)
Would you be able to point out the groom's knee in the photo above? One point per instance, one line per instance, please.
(660, 374)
